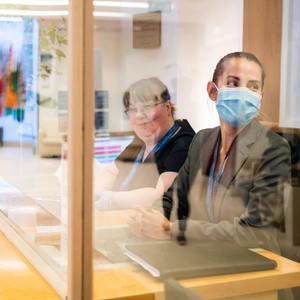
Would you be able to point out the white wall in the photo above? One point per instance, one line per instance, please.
(195, 35)
(120, 64)
(207, 30)
(107, 49)
(142, 63)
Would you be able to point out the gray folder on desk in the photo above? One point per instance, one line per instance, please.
(197, 259)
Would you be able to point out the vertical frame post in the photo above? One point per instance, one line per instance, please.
(80, 149)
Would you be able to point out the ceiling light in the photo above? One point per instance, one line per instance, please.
(35, 13)
(110, 14)
(10, 19)
(37, 3)
(66, 2)
(121, 4)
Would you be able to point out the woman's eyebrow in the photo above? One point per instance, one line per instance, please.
(233, 77)
(254, 81)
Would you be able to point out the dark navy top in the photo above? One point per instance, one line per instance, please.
(169, 158)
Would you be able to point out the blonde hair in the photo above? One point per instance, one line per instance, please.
(149, 89)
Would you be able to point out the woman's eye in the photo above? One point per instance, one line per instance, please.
(231, 84)
(147, 107)
(254, 87)
(132, 110)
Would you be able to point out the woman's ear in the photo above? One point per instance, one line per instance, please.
(212, 91)
(168, 104)
(262, 96)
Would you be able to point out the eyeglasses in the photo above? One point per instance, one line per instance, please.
(145, 109)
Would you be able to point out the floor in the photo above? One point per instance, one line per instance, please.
(27, 171)
(19, 280)
(36, 194)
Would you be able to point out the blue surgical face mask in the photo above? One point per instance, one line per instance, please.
(237, 106)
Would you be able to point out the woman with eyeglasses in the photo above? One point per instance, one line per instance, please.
(234, 182)
(148, 166)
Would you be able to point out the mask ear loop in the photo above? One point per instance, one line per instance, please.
(215, 86)
(211, 104)
(261, 116)
(216, 92)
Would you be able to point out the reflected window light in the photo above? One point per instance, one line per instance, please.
(37, 2)
(110, 14)
(35, 13)
(66, 2)
(10, 19)
(121, 4)
(13, 264)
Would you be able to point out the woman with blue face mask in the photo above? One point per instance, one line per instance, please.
(234, 181)
(237, 90)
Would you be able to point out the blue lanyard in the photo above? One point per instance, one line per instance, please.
(139, 158)
(213, 183)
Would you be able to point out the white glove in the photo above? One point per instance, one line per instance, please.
(106, 201)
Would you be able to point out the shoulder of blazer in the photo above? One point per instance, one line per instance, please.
(204, 135)
(204, 140)
(263, 134)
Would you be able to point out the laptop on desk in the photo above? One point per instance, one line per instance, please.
(197, 259)
(110, 241)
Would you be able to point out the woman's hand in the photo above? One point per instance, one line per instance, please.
(150, 223)
(134, 221)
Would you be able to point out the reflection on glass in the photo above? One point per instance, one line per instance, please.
(19, 67)
(148, 165)
(246, 206)
(32, 72)
(179, 42)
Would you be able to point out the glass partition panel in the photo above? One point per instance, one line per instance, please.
(290, 65)
(33, 122)
(150, 56)
(153, 65)
(289, 115)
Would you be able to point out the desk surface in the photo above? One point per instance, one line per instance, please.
(19, 280)
(132, 280)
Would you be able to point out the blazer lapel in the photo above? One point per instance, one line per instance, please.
(238, 155)
(208, 149)
(197, 193)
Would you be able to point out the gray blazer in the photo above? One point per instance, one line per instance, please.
(249, 203)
